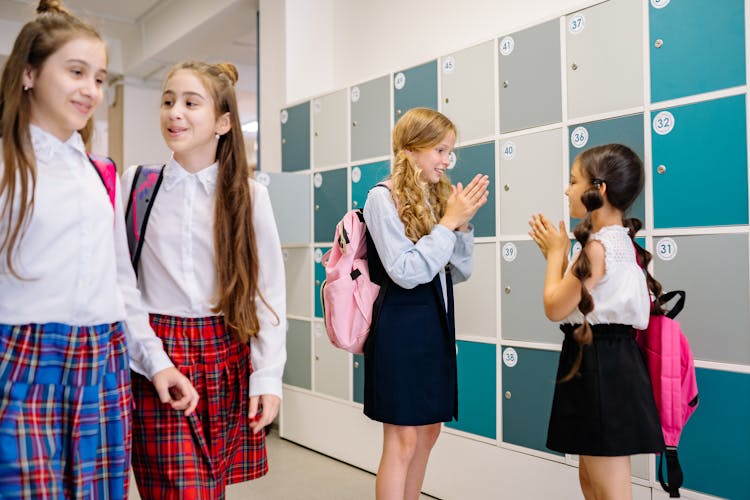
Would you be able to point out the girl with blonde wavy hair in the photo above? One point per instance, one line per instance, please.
(212, 276)
(420, 243)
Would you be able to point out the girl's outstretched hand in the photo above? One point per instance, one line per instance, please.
(464, 203)
(548, 237)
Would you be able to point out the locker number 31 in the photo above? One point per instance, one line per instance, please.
(666, 249)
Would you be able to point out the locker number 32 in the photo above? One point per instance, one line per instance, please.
(663, 122)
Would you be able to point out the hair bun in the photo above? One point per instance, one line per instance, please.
(51, 6)
(230, 70)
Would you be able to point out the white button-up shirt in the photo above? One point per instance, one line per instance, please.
(177, 272)
(73, 257)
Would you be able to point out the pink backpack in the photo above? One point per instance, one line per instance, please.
(672, 370)
(347, 295)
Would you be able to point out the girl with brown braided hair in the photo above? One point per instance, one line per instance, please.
(212, 277)
(421, 243)
(603, 408)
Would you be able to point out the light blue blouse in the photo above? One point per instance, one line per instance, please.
(410, 264)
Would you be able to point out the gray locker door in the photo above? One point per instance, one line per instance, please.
(476, 299)
(329, 115)
(331, 366)
(531, 171)
(371, 124)
(605, 58)
(530, 87)
(522, 271)
(468, 91)
(299, 271)
(713, 271)
(291, 200)
(298, 367)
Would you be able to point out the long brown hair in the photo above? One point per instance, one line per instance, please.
(420, 204)
(234, 235)
(53, 27)
(620, 168)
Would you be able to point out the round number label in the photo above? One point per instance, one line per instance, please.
(318, 180)
(507, 45)
(659, 4)
(510, 252)
(666, 249)
(263, 178)
(318, 330)
(317, 106)
(449, 64)
(284, 116)
(663, 122)
(285, 254)
(509, 150)
(355, 94)
(452, 157)
(579, 137)
(356, 174)
(510, 357)
(577, 23)
(399, 81)
(318, 255)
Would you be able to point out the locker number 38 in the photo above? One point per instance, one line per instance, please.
(510, 357)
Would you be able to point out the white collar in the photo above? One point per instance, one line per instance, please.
(174, 173)
(47, 147)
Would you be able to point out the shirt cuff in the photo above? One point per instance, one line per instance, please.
(265, 385)
(156, 362)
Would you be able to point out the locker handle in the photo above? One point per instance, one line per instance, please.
(446, 100)
(505, 84)
(317, 358)
(659, 43)
(283, 141)
(317, 207)
(507, 290)
(507, 187)
(317, 282)
(316, 134)
(574, 66)
(354, 123)
(398, 111)
(661, 169)
(354, 203)
(356, 364)
(508, 395)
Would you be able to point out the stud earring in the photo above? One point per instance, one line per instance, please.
(217, 136)
(25, 88)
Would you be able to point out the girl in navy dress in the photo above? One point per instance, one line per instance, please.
(419, 226)
(603, 408)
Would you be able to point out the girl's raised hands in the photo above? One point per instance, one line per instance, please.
(548, 237)
(464, 203)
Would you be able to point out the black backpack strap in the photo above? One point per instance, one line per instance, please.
(146, 183)
(679, 305)
(674, 472)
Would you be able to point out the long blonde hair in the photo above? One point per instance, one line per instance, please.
(237, 267)
(37, 41)
(420, 204)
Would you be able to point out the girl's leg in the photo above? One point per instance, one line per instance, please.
(426, 437)
(609, 477)
(399, 448)
(583, 478)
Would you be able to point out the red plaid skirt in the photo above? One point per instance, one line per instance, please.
(195, 457)
(65, 411)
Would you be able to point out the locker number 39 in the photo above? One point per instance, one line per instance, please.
(666, 249)
(510, 252)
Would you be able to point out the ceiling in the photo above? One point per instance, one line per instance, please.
(146, 37)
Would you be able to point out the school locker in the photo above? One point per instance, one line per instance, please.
(370, 119)
(291, 203)
(295, 137)
(330, 131)
(477, 397)
(330, 198)
(364, 177)
(298, 367)
(415, 88)
(470, 161)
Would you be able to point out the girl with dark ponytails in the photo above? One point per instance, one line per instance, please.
(603, 407)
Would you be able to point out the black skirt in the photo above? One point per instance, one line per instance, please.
(608, 408)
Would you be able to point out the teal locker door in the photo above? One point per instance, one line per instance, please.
(358, 375)
(713, 271)
(298, 367)
(530, 86)
(477, 397)
(522, 271)
(291, 201)
(470, 161)
(528, 377)
(364, 177)
(415, 88)
(371, 124)
(627, 130)
(298, 273)
(714, 443)
(330, 202)
(295, 138)
(320, 276)
(605, 58)
(696, 46)
(700, 164)
(468, 92)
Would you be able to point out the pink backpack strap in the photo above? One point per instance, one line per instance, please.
(107, 171)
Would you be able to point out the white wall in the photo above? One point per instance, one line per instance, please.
(141, 136)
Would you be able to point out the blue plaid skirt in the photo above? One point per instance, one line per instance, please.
(65, 412)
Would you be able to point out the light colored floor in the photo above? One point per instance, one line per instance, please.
(297, 473)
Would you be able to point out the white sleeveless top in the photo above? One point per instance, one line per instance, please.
(621, 296)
